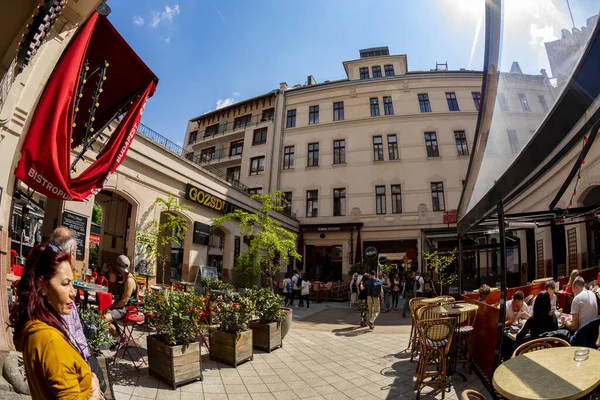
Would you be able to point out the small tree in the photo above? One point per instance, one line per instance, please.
(439, 263)
(270, 243)
(97, 214)
(152, 240)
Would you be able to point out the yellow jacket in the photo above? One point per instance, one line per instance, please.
(55, 369)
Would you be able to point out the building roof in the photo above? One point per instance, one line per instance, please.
(218, 110)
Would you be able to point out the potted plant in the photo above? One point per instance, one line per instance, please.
(231, 343)
(96, 330)
(266, 331)
(174, 351)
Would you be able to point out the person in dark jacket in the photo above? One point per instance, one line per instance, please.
(542, 320)
(362, 301)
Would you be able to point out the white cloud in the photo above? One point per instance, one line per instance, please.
(167, 15)
(168, 39)
(138, 20)
(225, 102)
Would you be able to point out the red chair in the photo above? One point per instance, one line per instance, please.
(104, 300)
(129, 321)
(17, 269)
(101, 280)
(13, 256)
(94, 276)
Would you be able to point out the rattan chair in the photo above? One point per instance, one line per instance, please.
(466, 322)
(540, 344)
(435, 337)
(412, 341)
(423, 312)
(471, 394)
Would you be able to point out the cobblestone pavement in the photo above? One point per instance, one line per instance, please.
(318, 361)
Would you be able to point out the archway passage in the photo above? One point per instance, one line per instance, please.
(116, 229)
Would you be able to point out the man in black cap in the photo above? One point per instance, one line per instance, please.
(128, 297)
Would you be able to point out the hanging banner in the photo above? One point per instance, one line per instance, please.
(69, 112)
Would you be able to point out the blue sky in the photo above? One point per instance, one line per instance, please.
(210, 51)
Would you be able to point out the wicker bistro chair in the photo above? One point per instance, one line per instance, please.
(413, 304)
(471, 394)
(326, 290)
(315, 291)
(466, 321)
(423, 312)
(435, 337)
(540, 344)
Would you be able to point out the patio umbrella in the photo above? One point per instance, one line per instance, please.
(358, 257)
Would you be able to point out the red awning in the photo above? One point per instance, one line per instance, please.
(45, 163)
(94, 239)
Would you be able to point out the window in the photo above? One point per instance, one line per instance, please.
(388, 107)
(393, 147)
(236, 148)
(252, 191)
(431, 144)
(291, 119)
(257, 165)
(287, 206)
(452, 102)
(288, 157)
(339, 202)
(374, 106)
(389, 70)
(211, 130)
(380, 199)
(364, 73)
(259, 137)
(476, 100)
(513, 141)
(338, 111)
(524, 104)
(437, 196)
(424, 102)
(233, 174)
(242, 122)
(313, 155)
(312, 203)
(377, 148)
(339, 151)
(543, 104)
(502, 102)
(268, 114)
(461, 143)
(313, 115)
(396, 199)
(193, 137)
(376, 71)
(206, 155)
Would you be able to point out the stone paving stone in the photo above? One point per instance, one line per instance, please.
(306, 392)
(254, 388)
(250, 380)
(213, 389)
(239, 396)
(236, 389)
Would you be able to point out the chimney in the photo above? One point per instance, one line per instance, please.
(283, 86)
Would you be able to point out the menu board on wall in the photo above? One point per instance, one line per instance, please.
(236, 248)
(78, 224)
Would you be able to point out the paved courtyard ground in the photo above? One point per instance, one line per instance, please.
(324, 356)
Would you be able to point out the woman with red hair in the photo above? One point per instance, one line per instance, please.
(54, 366)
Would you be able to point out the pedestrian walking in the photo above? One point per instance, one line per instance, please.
(419, 284)
(296, 288)
(353, 288)
(395, 291)
(374, 297)
(305, 289)
(362, 300)
(287, 289)
(428, 286)
(409, 292)
(386, 285)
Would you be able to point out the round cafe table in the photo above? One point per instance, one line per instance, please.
(433, 300)
(548, 374)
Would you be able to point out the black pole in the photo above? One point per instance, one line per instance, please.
(520, 264)
(478, 266)
(502, 316)
(460, 267)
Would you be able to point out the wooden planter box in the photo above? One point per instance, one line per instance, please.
(176, 365)
(266, 337)
(230, 348)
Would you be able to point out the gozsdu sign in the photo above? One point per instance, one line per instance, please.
(199, 196)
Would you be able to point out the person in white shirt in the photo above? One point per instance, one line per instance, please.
(516, 309)
(584, 307)
(296, 290)
(421, 282)
(550, 287)
(305, 290)
(287, 289)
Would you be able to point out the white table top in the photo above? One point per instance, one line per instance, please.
(548, 374)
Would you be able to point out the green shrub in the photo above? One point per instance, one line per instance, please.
(233, 315)
(267, 305)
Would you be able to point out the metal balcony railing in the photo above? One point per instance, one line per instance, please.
(179, 151)
(229, 127)
(221, 154)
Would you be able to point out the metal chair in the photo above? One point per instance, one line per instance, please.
(471, 394)
(435, 337)
(539, 344)
(129, 321)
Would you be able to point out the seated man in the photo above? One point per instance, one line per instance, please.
(516, 309)
(127, 298)
(584, 307)
(550, 287)
(484, 292)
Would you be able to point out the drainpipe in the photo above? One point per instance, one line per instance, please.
(282, 88)
(273, 141)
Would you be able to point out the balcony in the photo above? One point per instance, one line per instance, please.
(225, 131)
(224, 156)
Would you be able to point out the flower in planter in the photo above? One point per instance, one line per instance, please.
(268, 305)
(233, 315)
(176, 315)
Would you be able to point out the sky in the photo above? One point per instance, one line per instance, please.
(211, 53)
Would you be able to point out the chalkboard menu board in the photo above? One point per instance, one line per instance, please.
(77, 224)
(201, 233)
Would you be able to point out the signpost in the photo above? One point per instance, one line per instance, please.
(371, 253)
